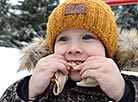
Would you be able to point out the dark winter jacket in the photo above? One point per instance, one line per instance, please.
(126, 58)
(70, 93)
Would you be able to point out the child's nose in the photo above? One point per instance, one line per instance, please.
(75, 50)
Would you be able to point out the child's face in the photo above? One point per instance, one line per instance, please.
(77, 45)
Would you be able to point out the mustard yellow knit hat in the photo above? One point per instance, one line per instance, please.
(92, 15)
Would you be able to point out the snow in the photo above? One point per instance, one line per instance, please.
(130, 73)
(14, 2)
(9, 62)
(62, 1)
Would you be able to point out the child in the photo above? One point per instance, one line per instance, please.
(78, 31)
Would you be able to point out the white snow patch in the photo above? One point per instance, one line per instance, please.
(9, 64)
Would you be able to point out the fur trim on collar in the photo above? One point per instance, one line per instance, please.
(32, 53)
(126, 56)
(127, 53)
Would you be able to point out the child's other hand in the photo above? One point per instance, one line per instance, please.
(107, 74)
(44, 71)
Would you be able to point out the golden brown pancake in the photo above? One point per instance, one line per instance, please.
(60, 80)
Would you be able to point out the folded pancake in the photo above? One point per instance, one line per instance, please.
(60, 80)
(74, 65)
(88, 82)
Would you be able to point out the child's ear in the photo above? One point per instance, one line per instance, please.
(32, 53)
(126, 56)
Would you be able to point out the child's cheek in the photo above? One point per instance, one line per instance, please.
(59, 50)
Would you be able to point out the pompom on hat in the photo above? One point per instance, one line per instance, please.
(92, 15)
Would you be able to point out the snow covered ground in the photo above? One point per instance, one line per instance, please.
(9, 64)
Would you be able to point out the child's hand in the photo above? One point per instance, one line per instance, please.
(44, 71)
(107, 74)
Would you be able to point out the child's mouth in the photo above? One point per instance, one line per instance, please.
(74, 65)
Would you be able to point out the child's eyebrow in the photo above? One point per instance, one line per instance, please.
(87, 32)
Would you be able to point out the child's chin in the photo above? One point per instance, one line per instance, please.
(75, 76)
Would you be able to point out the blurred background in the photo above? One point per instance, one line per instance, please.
(22, 20)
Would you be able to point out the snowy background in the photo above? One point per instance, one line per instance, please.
(9, 64)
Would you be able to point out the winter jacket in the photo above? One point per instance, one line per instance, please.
(70, 93)
(126, 58)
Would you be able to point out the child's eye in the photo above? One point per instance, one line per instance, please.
(63, 38)
(87, 37)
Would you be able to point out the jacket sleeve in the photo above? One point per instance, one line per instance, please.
(11, 95)
(133, 80)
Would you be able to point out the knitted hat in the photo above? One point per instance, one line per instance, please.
(92, 15)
